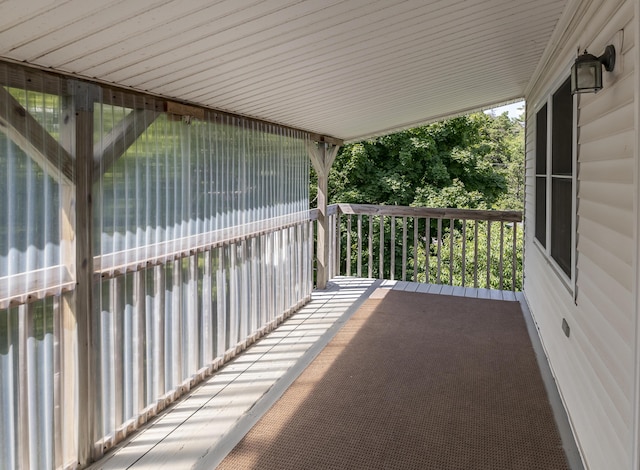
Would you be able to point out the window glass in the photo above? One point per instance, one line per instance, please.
(541, 209)
(541, 141)
(559, 193)
(561, 223)
(561, 133)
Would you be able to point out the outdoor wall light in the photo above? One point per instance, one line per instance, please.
(586, 72)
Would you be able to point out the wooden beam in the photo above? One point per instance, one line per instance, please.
(326, 139)
(322, 156)
(27, 133)
(17, 75)
(180, 109)
(317, 158)
(331, 155)
(112, 146)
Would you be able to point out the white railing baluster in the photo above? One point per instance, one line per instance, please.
(348, 263)
(488, 286)
(159, 281)
(427, 254)
(475, 255)
(359, 259)
(117, 360)
(176, 323)
(415, 248)
(501, 253)
(245, 295)
(392, 250)
(205, 319)
(370, 246)
(58, 381)
(220, 322)
(336, 234)
(464, 252)
(404, 248)
(381, 260)
(25, 406)
(514, 259)
(451, 237)
(138, 332)
(438, 272)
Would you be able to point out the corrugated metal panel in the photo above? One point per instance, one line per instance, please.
(347, 68)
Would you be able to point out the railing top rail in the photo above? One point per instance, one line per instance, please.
(438, 213)
(331, 210)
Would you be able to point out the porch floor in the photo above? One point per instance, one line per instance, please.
(200, 430)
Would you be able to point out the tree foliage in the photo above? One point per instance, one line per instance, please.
(472, 162)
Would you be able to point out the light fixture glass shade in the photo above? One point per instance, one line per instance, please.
(586, 74)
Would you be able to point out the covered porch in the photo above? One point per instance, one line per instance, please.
(155, 216)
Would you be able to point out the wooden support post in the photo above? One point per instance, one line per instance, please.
(322, 157)
(78, 124)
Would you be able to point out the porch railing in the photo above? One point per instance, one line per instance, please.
(476, 248)
(159, 327)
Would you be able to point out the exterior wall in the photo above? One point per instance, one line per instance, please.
(595, 366)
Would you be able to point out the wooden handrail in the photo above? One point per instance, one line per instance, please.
(441, 213)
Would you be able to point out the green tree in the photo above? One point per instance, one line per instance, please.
(469, 162)
(465, 162)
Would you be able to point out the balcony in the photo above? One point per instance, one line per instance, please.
(144, 250)
(200, 430)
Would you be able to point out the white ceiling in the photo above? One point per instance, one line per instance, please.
(344, 68)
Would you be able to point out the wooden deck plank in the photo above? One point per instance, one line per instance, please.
(458, 291)
(424, 288)
(471, 292)
(434, 288)
(495, 294)
(484, 293)
(446, 290)
(509, 296)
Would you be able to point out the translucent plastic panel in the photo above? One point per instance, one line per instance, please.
(29, 205)
(27, 385)
(9, 370)
(36, 174)
(186, 183)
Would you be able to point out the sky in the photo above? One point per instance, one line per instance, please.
(512, 109)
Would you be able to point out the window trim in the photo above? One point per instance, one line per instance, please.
(569, 281)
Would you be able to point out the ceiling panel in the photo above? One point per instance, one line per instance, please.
(345, 68)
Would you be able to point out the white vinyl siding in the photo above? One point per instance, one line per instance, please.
(594, 367)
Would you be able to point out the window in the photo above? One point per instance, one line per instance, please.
(554, 177)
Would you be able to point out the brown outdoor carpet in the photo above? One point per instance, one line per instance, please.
(414, 381)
